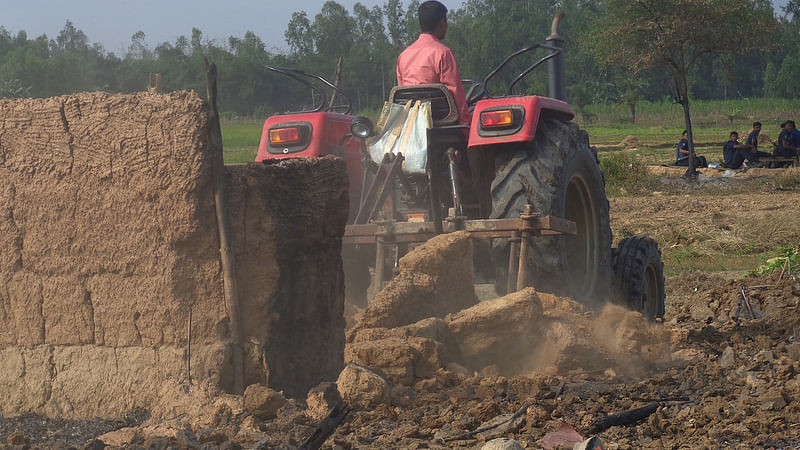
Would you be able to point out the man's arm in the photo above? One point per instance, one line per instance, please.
(450, 77)
(752, 141)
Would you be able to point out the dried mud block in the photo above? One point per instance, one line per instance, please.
(321, 399)
(68, 312)
(432, 328)
(401, 360)
(25, 375)
(500, 331)
(262, 401)
(89, 381)
(435, 279)
(362, 388)
(25, 303)
(10, 235)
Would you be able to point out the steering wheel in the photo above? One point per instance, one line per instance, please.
(476, 92)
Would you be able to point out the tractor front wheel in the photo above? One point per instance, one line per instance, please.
(639, 276)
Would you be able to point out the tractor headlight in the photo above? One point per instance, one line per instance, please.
(361, 128)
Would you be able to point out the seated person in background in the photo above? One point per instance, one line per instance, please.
(735, 153)
(682, 153)
(752, 141)
(779, 145)
(788, 141)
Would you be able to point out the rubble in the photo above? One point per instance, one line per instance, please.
(321, 400)
(262, 401)
(429, 284)
(361, 387)
(502, 331)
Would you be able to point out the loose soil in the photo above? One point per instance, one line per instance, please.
(732, 380)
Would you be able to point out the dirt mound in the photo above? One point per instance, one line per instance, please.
(630, 142)
(432, 283)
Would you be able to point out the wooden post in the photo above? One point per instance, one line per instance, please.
(338, 79)
(223, 224)
(154, 83)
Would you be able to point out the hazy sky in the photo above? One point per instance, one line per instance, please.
(113, 22)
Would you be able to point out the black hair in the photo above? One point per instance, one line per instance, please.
(735, 132)
(684, 132)
(790, 122)
(756, 124)
(783, 124)
(431, 14)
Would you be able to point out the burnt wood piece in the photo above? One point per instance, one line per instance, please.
(623, 418)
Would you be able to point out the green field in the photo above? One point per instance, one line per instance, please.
(658, 126)
(240, 140)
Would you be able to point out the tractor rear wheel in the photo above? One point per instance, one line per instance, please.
(558, 173)
(639, 276)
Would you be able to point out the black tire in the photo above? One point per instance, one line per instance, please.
(559, 174)
(639, 276)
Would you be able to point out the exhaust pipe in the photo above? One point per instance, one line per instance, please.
(555, 66)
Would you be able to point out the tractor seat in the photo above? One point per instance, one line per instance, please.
(443, 107)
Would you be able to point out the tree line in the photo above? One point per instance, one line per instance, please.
(481, 33)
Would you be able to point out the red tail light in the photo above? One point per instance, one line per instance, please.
(499, 118)
(283, 136)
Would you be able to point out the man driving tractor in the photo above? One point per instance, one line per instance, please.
(428, 61)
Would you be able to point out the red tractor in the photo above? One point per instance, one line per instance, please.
(522, 173)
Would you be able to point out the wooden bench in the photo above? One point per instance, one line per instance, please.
(793, 161)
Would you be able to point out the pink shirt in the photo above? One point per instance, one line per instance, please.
(428, 61)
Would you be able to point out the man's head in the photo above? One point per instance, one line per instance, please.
(433, 18)
(685, 134)
(790, 126)
(734, 135)
(757, 126)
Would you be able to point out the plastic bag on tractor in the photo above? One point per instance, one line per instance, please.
(403, 129)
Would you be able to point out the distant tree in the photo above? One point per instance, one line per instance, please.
(69, 39)
(138, 48)
(370, 68)
(395, 22)
(673, 36)
(298, 34)
(631, 93)
(787, 79)
(333, 31)
(770, 75)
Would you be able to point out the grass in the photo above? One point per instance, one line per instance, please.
(787, 179)
(705, 114)
(626, 174)
(240, 140)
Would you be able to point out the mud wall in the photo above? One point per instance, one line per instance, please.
(108, 238)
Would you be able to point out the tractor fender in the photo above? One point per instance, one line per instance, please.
(533, 107)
